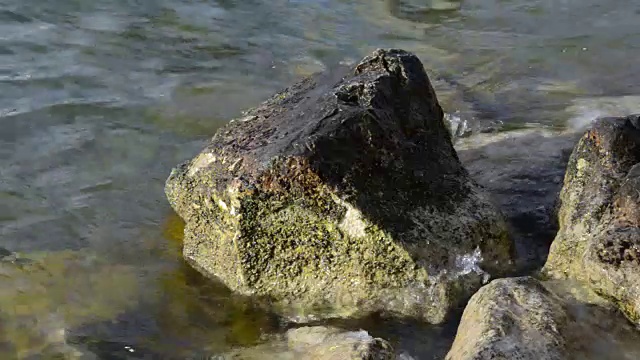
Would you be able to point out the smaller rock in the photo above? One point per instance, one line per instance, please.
(4, 253)
(514, 318)
(522, 319)
(599, 215)
(318, 343)
(330, 343)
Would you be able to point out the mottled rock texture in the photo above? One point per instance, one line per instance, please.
(318, 343)
(340, 196)
(599, 215)
(511, 319)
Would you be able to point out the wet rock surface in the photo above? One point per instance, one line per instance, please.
(514, 318)
(524, 318)
(599, 214)
(318, 343)
(341, 196)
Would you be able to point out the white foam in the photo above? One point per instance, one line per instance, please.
(468, 263)
(586, 110)
(457, 125)
(404, 356)
(361, 335)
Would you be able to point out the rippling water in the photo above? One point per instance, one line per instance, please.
(99, 99)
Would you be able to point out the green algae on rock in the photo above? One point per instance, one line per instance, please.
(515, 318)
(599, 214)
(340, 196)
(318, 343)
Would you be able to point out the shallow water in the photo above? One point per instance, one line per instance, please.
(99, 99)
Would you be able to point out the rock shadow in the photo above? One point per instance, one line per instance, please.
(523, 171)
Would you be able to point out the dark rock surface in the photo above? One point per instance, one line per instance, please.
(340, 196)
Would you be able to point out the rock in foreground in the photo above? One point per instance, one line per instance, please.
(514, 318)
(319, 343)
(342, 195)
(599, 216)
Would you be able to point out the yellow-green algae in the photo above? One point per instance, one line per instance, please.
(316, 267)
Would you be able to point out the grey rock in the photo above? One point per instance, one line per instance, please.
(599, 216)
(318, 343)
(511, 319)
(523, 318)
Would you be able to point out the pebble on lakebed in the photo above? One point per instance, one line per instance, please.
(318, 343)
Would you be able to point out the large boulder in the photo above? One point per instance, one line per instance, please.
(514, 318)
(340, 196)
(599, 215)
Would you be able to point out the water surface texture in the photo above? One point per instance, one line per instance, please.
(99, 99)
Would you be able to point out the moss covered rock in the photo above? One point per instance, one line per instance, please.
(342, 195)
(599, 215)
(514, 318)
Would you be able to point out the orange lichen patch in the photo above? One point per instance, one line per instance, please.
(594, 137)
(627, 212)
(292, 172)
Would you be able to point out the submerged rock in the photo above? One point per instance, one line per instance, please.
(42, 295)
(514, 318)
(340, 196)
(599, 215)
(318, 343)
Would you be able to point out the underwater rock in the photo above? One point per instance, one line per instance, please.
(342, 196)
(599, 214)
(515, 318)
(42, 295)
(318, 343)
